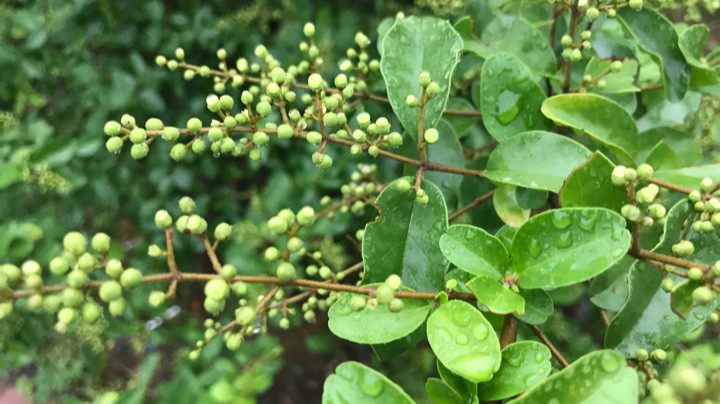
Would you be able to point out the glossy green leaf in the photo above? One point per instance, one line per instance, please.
(662, 157)
(378, 325)
(619, 82)
(474, 251)
(507, 206)
(9, 174)
(691, 44)
(460, 124)
(538, 306)
(506, 234)
(602, 119)
(521, 39)
(441, 393)
(656, 34)
(681, 300)
(497, 297)
(566, 246)
(447, 150)
(589, 184)
(464, 388)
(355, 383)
(690, 176)
(609, 290)
(536, 160)
(524, 364)
(393, 348)
(509, 98)
(412, 46)
(464, 341)
(404, 240)
(647, 320)
(598, 377)
(685, 146)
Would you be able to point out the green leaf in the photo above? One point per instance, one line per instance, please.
(656, 34)
(602, 119)
(447, 150)
(662, 157)
(589, 184)
(355, 383)
(538, 306)
(509, 98)
(460, 124)
(378, 325)
(405, 238)
(647, 320)
(598, 377)
(685, 146)
(507, 206)
(474, 251)
(620, 82)
(463, 387)
(691, 44)
(464, 341)
(522, 39)
(609, 290)
(566, 246)
(681, 300)
(412, 46)
(524, 364)
(9, 174)
(553, 158)
(497, 297)
(690, 176)
(441, 393)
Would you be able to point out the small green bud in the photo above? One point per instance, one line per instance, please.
(424, 79)
(66, 315)
(271, 253)
(309, 316)
(178, 152)
(357, 303)
(703, 295)
(263, 108)
(194, 124)
(395, 305)
(153, 124)
(154, 250)
(684, 248)
(222, 231)
(114, 268)
(658, 355)
(285, 131)
(295, 244)
(261, 51)
(163, 219)
(196, 224)
(156, 298)
(341, 81)
(228, 271)
(394, 281)
(239, 288)
(309, 29)
(170, 133)
(59, 266)
(260, 138)
(631, 213)
(695, 274)
(592, 13)
(657, 211)
(77, 278)
(139, 151)
(618, 176)
(245, 315)
(138, 135)
(695, 196)
(127, 121)
(432, 90)
(373, 150)
(566, 40)
(277, 225)
(384, 293)
(402, 184)
(411, 101)
(187, 205)
(114, 144)
(361, 40)
(180, 53)
(110, 291)
(86, 262)
(635, 4)
(90, 312)
(642, 355)
(325, 272)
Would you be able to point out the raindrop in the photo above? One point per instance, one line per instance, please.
(564, 239)
(371, 384)
(608, 362)
(461, 339)
(534, 249)
(461, 317)
(561, 219)
(507, 106)
(539, 357)
(481, 331)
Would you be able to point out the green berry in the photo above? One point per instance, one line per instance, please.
(616, 66)
(77, 278)
(384, 293)
(153, 124)
(114, 268)
(59, 266)
(263, 108)
(631, 213)
(272, 253)
(424, 79)
(217, 289)
(394, 282)
(139, 151)
(395, 305)
(194, 124)
(75, 242)
(196, 224)
(284, 323)
(431, 135)
(110, 291)
(657, 211)
(178, 152)
(245, 315)
(112, 128)
(667, 284)
(228, 271)
(357, 302)
(309, 29)
(658, 355)
(636, 4)
(395, 139)
(222, 231)
(239, 288)
(117, 307)
(138, 135)
(101, 243)
(325, 272)
(130, 278)
(285, 131)
(306, 216)
(128, 121)
(402, 184)
(11, 272)
(163, 219)
(277, 225)
(213, 306)
(187, 205)
(645, 171)
(66, 315)
(260, 138)
(285, 271)
(618, 176)
(90, 312)
(72, 297)
(642, 355)
(156, 298)
(315, 82)
(432, 90)
(114, 144)
(684, 248)
(695, 274)
(295, 244)
(226, 102)
(703, 295)
(566, 40)
(309, 316)
(33, 281)
(373, 150)
(592, 13)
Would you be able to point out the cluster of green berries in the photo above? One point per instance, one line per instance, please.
(630, 178)
(614, 67)
(683, 383)
(383, 293)
(708, 207)
(359, 61)
(76, 264)
(573, 50)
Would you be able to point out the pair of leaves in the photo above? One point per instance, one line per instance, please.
(553, 249)
(354, 383)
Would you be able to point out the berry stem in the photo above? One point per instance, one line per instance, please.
(553, 350)
(574, 16)
(472, 205)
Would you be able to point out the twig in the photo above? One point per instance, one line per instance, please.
(553, 350)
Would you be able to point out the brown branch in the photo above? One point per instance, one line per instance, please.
(472, 205)
(645, 255)
(671, 186)
(553, 350)
(574, 16)
(605, 317)
(211, 253)
(509, 330)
